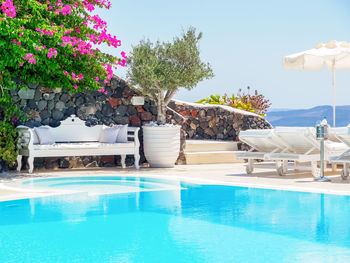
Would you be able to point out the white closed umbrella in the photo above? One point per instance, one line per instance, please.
(335, 55)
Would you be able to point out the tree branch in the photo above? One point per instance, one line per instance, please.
(169, 95)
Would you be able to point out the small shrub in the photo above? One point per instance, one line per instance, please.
(9, 114)
(244, 101)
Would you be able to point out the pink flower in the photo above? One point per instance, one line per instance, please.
(8, 8)
(21, 64)
(97, 79)
(52, 53)
(73, 76)
(123, 55)
(66, 73)
(75, 86)
(80, 76)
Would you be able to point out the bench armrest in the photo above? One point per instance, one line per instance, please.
(134, 135)
(25, 137)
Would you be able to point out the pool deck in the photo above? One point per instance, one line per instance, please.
(227, 174)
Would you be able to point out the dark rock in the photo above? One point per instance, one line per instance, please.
(45, 114)
(42, 105)
(210, 112)
(154, 110)
(146, 116)
(204, 125)
(121, 120)
(57, 115)
(56, 97)
(31, 104)
(37, 95)
(200, 131)
(54, 123)
(60, 106)
(65, 97)
(70, 111)
(118, 93)
(99, 115)
(79, 101)
(45, 121)
(63, 163)
(50, 105)
(107, 110)
(131, 110)
(70, 104)
(121, 110)
(134, 120)
(32, 124)
(89, 99)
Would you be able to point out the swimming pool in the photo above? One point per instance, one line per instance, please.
(157, 220)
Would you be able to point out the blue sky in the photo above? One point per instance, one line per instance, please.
(245, 41)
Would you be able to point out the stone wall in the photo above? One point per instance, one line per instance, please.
(214, 122)
(46, 106)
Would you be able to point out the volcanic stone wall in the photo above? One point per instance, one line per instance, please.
(46, 106)
(214, 122)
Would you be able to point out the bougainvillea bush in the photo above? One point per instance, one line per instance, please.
(55, 43)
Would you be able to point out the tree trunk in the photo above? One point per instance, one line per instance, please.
(161, 116)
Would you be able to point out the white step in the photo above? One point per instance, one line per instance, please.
(212, 157)
(208, 146)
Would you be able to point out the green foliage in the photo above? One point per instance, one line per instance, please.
(8, 141)
(243, 101)
(9, 113)
(165, 67)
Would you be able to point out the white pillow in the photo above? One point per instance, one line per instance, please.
(122, 134)
(35, 137)
(44, 135)
(109, 134)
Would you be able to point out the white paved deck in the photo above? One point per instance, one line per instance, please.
(229, 174)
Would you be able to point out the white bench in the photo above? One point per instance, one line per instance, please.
(74, 138)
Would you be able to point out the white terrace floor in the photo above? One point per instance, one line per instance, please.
(228, 174)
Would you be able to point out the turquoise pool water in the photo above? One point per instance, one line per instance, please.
(167, 221)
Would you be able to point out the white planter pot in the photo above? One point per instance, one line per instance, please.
(161, 145)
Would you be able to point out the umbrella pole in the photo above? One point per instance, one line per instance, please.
(333, 89)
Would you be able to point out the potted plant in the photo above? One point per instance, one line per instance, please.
(159, 70)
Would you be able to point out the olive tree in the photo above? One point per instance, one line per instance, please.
(160, 69)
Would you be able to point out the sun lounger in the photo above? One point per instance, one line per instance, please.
(343, 134)
(263, 143)
(296, 144)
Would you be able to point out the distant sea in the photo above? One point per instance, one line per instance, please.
(309, 117)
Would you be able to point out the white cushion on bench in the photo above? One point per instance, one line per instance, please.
(83, 145)
(44, 135)
(109, 134)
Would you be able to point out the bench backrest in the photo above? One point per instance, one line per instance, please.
(74, 129)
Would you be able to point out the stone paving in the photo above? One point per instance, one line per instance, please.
(228, 174)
